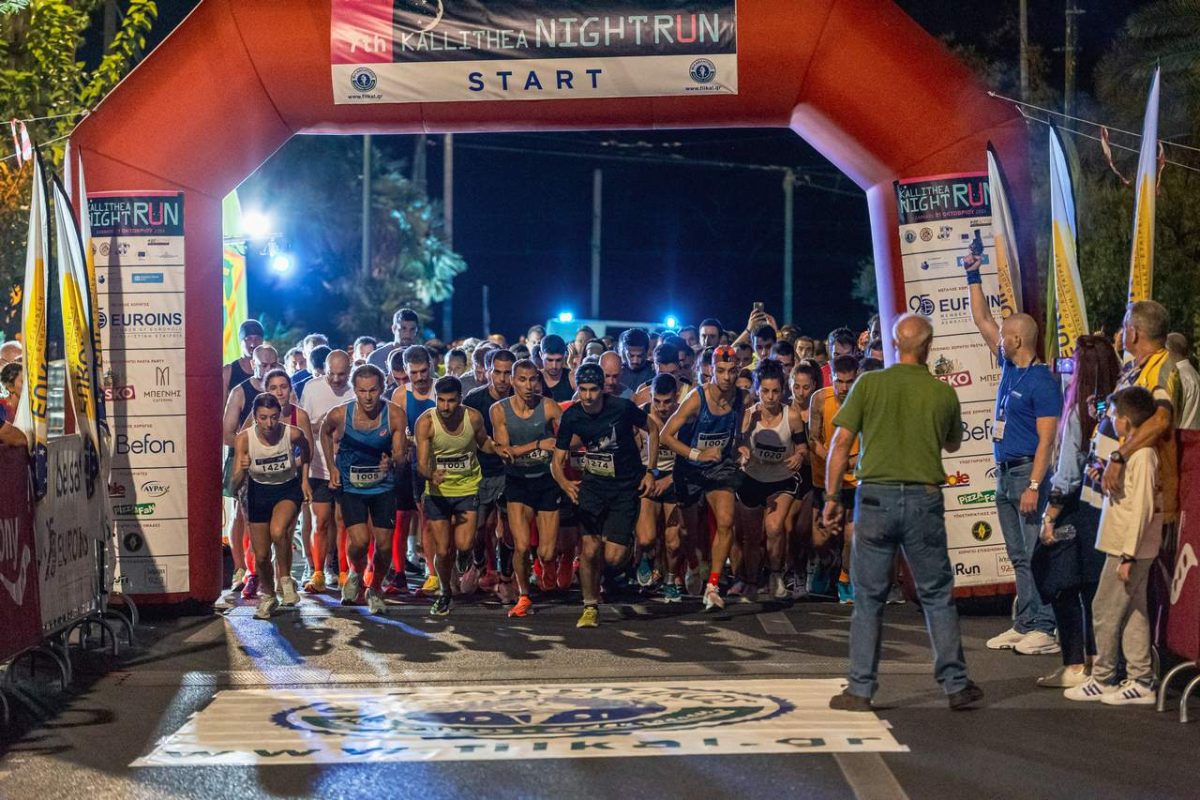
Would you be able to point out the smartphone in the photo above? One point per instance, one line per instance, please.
(1101, 408)
(758, 307)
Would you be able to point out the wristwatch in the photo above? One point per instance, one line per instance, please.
(1116, 457)
(1033, 485)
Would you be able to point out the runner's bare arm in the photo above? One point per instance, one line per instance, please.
(557, 465)
(799, 439)
(399, 423)
(652, 436)
(684, 414)
(554, 417)
(331, 433)
(229, 423)
(423, 433)
(500, 433)
(241, 459)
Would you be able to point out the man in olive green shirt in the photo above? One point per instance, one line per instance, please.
(906, 417)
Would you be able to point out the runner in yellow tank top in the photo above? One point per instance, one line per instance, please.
(449, 437)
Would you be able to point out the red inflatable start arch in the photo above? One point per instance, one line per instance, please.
(858, 79)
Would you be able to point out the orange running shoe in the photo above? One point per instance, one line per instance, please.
(523, 608)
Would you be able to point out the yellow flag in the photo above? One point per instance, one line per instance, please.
(1141, 257)
(1008, 265)
(32, 416)
(1072, 314)
(77, 335)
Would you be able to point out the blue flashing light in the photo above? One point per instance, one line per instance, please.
(566, 316)
(672, 321)
(282, 263)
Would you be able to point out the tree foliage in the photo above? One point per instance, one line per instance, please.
(42, 75)
(315, 184)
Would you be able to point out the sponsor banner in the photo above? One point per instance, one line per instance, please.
(941, 218)
(251, 727)
(124, 280)
(148, 213)
(145, 382)
(68, 538)
(1070, 311)
(146, 536)
(1008, 262)
(973, 566)
(386, 52)
(1183, 614)
(138, 251)
(20, 618)
(141, 321)
(141, 493)
(149, 442)
(141, 575)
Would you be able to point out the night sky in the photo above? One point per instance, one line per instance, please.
(687, 240)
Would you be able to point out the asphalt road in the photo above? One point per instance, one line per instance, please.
(1024, 742)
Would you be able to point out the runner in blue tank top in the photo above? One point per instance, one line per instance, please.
(704, 434)
(361, 440)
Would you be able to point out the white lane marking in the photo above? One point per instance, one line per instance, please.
(869, 776)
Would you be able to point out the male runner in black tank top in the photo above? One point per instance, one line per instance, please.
(556, 382)
(251, 336)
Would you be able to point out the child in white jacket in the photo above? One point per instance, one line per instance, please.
(1130, 536)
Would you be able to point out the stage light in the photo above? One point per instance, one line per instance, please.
(256, 225)
(282, 263)
(672, 322)
(566, 316)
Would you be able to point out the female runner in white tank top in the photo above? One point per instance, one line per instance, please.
(272, 457)
(772, 450)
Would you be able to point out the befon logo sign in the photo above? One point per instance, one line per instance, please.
(147, 445)
(977, 433)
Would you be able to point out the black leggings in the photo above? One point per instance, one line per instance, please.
(1073, 611)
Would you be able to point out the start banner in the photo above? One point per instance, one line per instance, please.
(428, 51)
(940, 219)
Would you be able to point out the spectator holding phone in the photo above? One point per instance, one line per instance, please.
(1066, 564)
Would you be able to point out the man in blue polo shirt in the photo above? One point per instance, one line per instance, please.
(1025, 419)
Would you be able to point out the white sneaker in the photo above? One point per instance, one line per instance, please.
(696, 579)
(266, 605)
(287, 588)
(1129, 693)
(375, 604)
(1005, 641)
(1037, 643)
(779, 590)
(712, 597)
(239, 580)
(1089, 691)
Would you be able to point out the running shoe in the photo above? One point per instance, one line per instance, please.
(266, 606)
(430, 587)
(1130, 693)
(845, 591)
(489, 579)
(523, 607)
(549, 580)
(1064, 678)
(590, 618)
(798, 585)
(965, 697)
(239, 580)
(468, 583)
(712, 597)
(375, 604)
(671, 594)
(778, 589)
(342, 577)
(696, 578)
(306, 576)
(441, 606)
(251, 590)
(506, 590)
(896, 596)
(737, 589)
(566, 573)
(315, 584)
(351, 588)
(332, 579)
(397, 586)
(1089, 691)
(411, 567)
(645, 572)
(1005, 641)
(820, 577)
(287, 588)
(1037, 643)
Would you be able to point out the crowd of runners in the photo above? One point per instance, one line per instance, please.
(666, 463)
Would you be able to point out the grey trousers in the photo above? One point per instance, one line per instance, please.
(1122, 623)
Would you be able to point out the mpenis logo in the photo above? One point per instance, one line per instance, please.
(549, 712)
(419, 15)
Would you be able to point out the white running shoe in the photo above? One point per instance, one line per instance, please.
(375, 604)
(1037, 643)
(350, 589)
(712, 597)
(266, 605)
(696, 579)
(1005, 641)
(779, 589)
(1129, 693)
(287, 588)
(1089, 691)
(239, 580)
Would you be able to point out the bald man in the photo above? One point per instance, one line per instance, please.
(610, 362)
(321, 396)
(906, 417)
(10, 352)
(1024, 423)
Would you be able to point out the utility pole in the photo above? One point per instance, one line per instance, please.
(487, 313)
(1025, 50)
(1071, 49)
(419, 162)
(789, 190)
(366, 208)
(448, 229)
(597, 225)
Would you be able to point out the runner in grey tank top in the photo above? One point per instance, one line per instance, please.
(523, 427)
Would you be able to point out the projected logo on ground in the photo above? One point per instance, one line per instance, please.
(567, 711)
